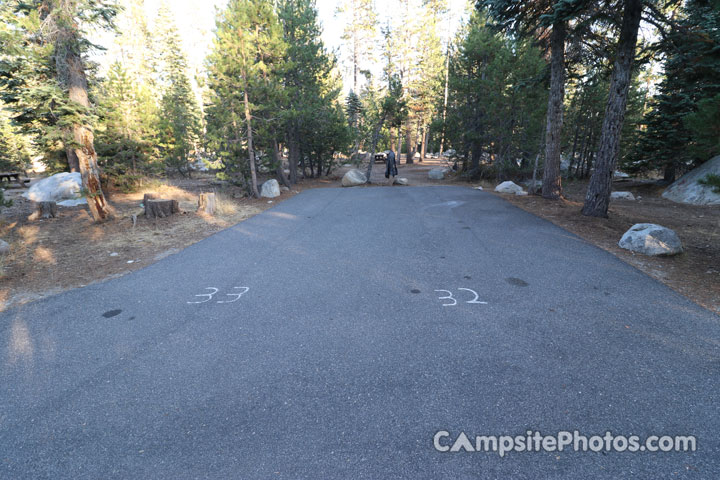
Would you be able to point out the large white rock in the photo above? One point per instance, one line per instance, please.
(401, 181)
(438, 173)
(688, 190)
(270, 189)
(353, 178)
(510, 187)
(619, 174)
(61, 186)
(622, 196)
(73, 202)
(651, 239)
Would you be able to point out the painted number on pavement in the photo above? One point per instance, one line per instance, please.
(212, 291)
(450, 300)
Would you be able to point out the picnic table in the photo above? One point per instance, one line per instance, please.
(13, 177)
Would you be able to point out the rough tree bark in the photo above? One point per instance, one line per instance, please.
(279, 171)
(552, 184)
(597, 199)
(80, 150)
(251, 150)
(161, 208)
(293, 154)
(445, 99)
(375, 138)
(409, 156)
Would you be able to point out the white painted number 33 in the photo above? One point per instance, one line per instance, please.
(234, 297)
(450, 298)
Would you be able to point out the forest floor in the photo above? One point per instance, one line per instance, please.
(695, 273)
(50, 256)
(70, 251)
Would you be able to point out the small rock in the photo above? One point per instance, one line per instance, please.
(651, 239)
(284, 188)
(622, 196)
(401, 181)
(438, 173)
(270, 189)
(353, 178)
(4, 247)
(131, 261)
(510, 187)
(114, 254)
(478, 188)
(619, 174)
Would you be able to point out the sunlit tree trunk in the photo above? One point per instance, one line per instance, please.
(251, 150)
(80, 150)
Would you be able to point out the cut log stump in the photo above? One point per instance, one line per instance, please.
(147, 197)
(160, 208)
(206, 203)
(44, 210)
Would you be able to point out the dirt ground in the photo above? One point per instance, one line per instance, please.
(695, 273)
(50, 256)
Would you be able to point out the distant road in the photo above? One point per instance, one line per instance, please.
(334, 335)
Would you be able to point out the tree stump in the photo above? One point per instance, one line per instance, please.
(147, 197)
(161, 208)
(206, 203)
(44, 210)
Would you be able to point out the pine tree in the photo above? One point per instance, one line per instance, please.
(597, 199)
(495, 105)
(360, 35)
(15, 150)
(45, 81)
(243, 72)
(180, 122)
(681, 129)
(546, 19)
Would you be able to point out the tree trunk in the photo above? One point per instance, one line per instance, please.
(251, 150)
(552, 184)
(80, 152)
(279, 171)
(399, 146)
(445, 98)
(475, 156)
(408, 141)
(376, 137)
(293, 154)
(423, 149)
(597, 199)
(669, 173)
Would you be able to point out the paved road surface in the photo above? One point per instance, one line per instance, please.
(333, 356)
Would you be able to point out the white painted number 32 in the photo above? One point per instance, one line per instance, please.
(234, 296)
(450, 298)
